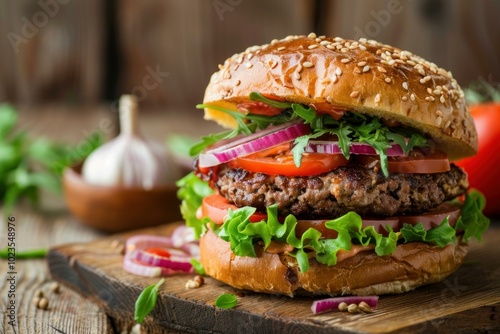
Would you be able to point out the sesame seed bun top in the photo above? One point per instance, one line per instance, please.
(364, 76)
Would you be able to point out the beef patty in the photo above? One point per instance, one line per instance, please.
(352, 188)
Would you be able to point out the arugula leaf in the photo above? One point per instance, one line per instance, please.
(146, 301)
(255, 96)
(441, 235)
(198, 267)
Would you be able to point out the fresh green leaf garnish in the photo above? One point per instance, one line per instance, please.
(255, 96)
(226, 300)
(191, 191)
(23, 255)
(472, 221)
(29, 165)
(198, 267)
(146, 301)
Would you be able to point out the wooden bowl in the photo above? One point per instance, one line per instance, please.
(117, 209)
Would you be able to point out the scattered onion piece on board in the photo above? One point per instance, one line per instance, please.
(332, 304)
(181, 246)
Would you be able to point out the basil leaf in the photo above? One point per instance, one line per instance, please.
(8, 118)
(226, 301)
(146, 301)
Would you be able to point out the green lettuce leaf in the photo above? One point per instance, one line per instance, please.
(191, 192)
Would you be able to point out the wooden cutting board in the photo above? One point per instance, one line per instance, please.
(467, 300)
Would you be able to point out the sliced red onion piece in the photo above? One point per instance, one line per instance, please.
(331, 304)
(256, 142)
(176, 263)
(182, 235)
(140, 269)
(139, 262)
(332, 147)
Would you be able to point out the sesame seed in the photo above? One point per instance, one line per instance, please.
(362, 63)
(344, 50)
(377, 98)
(421, 71)
(237, 83)
(299, 68)
(429, 90)
(307, 64)
(345, 60)
(432, 98)
(329, 99)
(250, 55)
(436, 92)
(227, 75)
(248, 65)
(274, 64)
(357, 70)
(412, 97)
(427, 78)
(405, 85)
(312, 46)
(404, 98)
(439, 120)
(281, 48)
(366, 69)
(220, 67)
(388, 80)
(354, 94)
(330, 46)
(439, 113)
(334, 79)
(442, 99)
(362, 47)
(240, 60)
(447, 124)
(338, 71)
(274, 41)
(338, 39)
(296, 75)
(325, 42)
(312, 35)
(411, 62)
(391, 62)
(326, 81)
(381, 69)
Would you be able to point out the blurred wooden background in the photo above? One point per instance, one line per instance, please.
(164, 51)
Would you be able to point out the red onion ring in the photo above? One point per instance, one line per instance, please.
(330, 304)
(332, 147)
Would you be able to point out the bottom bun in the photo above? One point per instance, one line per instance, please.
(410, 266)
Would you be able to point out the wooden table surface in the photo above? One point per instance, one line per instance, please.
(53, 225)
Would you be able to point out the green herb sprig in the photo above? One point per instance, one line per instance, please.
(146, 301)
(29, 165)
(24, 255)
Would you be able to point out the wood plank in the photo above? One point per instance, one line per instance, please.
(68, 311)
(94, 269)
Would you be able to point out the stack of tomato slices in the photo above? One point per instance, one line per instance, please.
(216, 207)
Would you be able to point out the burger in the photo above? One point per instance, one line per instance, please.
(334, 175)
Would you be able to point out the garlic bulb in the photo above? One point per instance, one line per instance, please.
(129, 159)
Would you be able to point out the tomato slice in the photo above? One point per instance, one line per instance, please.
(418, 164)
(328, 109)
(216, 208)
(259, 108)
(278, 160)
(158, 251)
